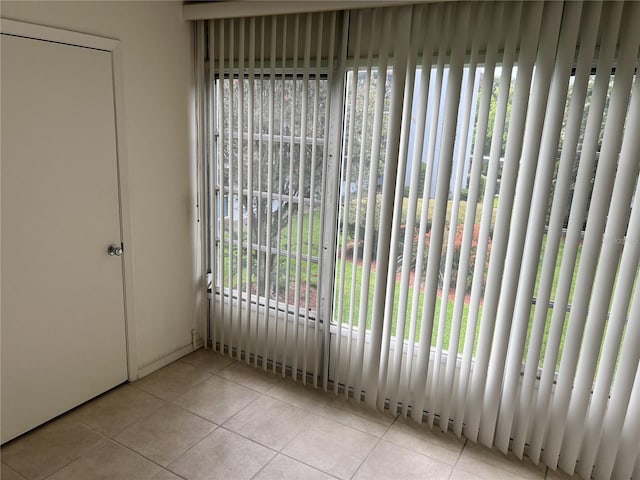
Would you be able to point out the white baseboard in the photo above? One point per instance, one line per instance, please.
(151, 367)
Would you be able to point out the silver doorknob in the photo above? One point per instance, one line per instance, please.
(115, 250)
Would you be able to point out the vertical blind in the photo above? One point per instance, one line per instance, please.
(267, 85)
(435, 209)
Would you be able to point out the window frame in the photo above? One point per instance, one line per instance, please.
(226, 294)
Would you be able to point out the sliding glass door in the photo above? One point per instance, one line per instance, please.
(269, 96)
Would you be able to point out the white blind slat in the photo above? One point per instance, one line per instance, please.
(250, 129)
(210, 199)
(312, 224)
(279, 351)
(220, 151)
(267, 103)
(230, 206)
(242, 311)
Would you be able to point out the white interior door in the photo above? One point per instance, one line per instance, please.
(63, 325)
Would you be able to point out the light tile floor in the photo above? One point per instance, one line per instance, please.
(207, 416)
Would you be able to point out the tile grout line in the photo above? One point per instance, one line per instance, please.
(78, 420)
(307, 465)
(114, 440)
(365, 458)
(226, 429)
(424, 454)
(56, 471)
(163, 467)
(281, 451)
(374, 447)
(277, 452)
(464, 445)
(188, 450)
(217, 374)
(181, 394)
(15, 471)
(194, 414)
(80, 456)
(73, 459)
(294, 437)
(328, 416)
(172, 401)
(220, 425)
(143, 417)
(117, 442)
(411, 450)
(264, 466)
(501, 467)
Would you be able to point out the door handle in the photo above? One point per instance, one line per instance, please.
(115, 250)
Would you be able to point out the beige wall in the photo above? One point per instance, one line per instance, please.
(157, 76)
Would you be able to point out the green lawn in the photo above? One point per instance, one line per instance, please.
(349, 310)
(347, 271)
(345, 310)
